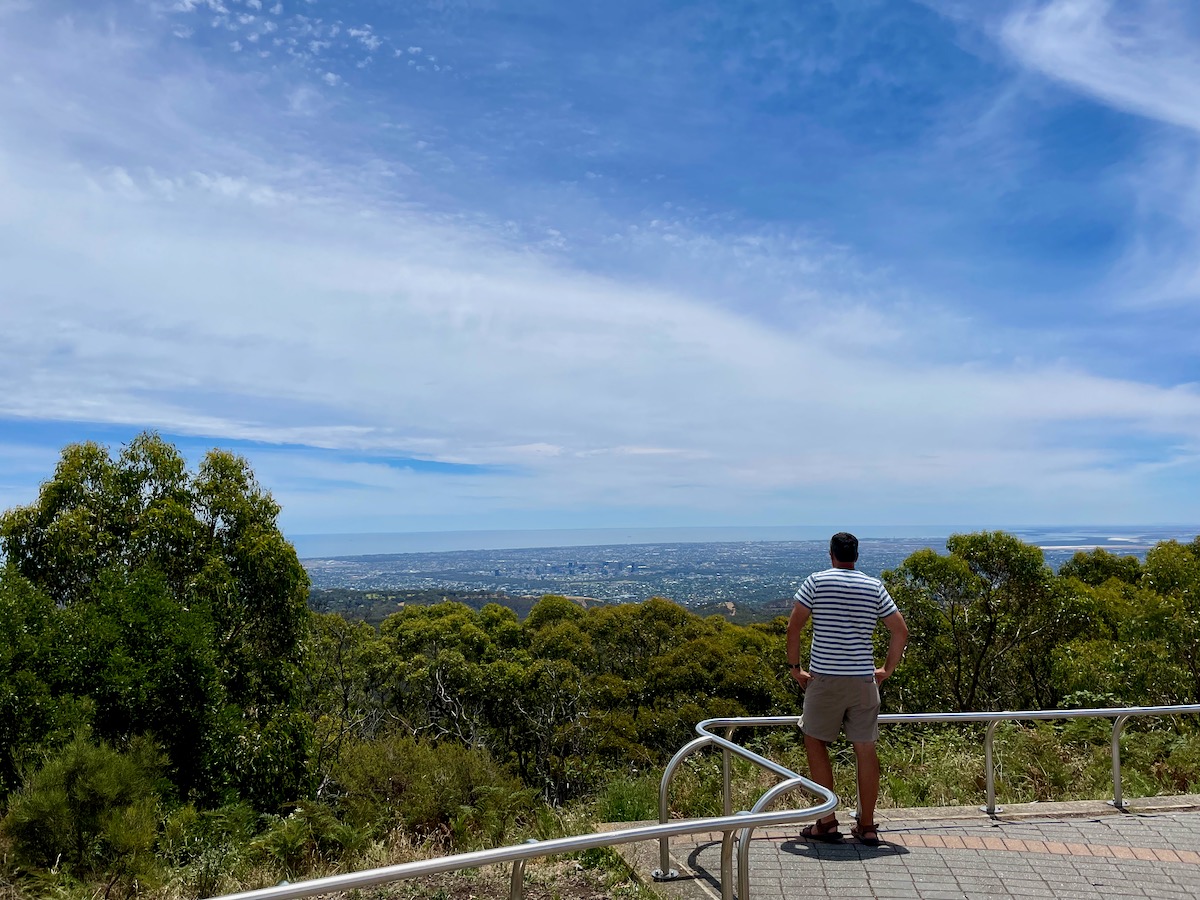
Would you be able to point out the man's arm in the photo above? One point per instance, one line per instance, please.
(796, 622)
(899, 637)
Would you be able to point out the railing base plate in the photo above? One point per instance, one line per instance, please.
(660, 875)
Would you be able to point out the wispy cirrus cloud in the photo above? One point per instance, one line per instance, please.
(302, 34)
(1139, 56)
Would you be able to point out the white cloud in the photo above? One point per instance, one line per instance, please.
(366, 37)
(439, 341)
(304, 101)
(199, 277)
(1140, 56)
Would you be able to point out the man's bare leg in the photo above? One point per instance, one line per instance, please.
(820, 769)
(867, 765)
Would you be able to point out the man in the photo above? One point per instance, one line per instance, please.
(841, 686)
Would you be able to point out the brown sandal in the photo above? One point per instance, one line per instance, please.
(867, 834)
(822, 831)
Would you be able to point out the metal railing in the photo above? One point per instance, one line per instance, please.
(746, 822)
(741, 824)
(1119, 715)
(520, 853)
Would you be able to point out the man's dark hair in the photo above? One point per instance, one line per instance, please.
(844, 547)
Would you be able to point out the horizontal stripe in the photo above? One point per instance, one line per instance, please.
(846, 607)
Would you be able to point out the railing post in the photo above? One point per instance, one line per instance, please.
(727, 865)
(1118, 725)
(516, 888)
(989, 764)
(747, 833)
(664, 872)
(743, 891)
(517, 884)
(727, 776)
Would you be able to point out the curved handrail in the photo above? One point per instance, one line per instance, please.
(742, 824)
(529, 850)
(791, 781)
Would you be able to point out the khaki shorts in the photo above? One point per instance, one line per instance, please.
(831, 701)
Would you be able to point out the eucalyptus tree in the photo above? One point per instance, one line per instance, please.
(183, 581)
(986, 619)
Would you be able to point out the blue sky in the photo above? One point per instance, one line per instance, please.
(459, 265)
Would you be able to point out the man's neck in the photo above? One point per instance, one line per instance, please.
(838, 564)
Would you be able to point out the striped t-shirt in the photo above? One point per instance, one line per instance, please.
(846, 606)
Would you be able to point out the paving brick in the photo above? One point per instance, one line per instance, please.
(879, 882)
(1027, 889)
(975, 886)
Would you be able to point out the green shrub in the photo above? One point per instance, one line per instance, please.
(207, 848)
(1180, 771)
(1033, 764)
(696, 789)
(444, 791)
(930, 767)
(288, 843)
(628, 799)
(90, 810)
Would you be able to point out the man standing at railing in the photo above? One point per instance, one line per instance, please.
(841, 685)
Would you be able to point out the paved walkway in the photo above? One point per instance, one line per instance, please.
(1059, 850)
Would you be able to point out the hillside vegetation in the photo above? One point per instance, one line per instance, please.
(175, 721)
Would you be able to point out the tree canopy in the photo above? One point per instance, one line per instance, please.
(163, 601)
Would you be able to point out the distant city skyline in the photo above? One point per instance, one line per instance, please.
(541, 266)
(1055, 540)
(685, 565)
